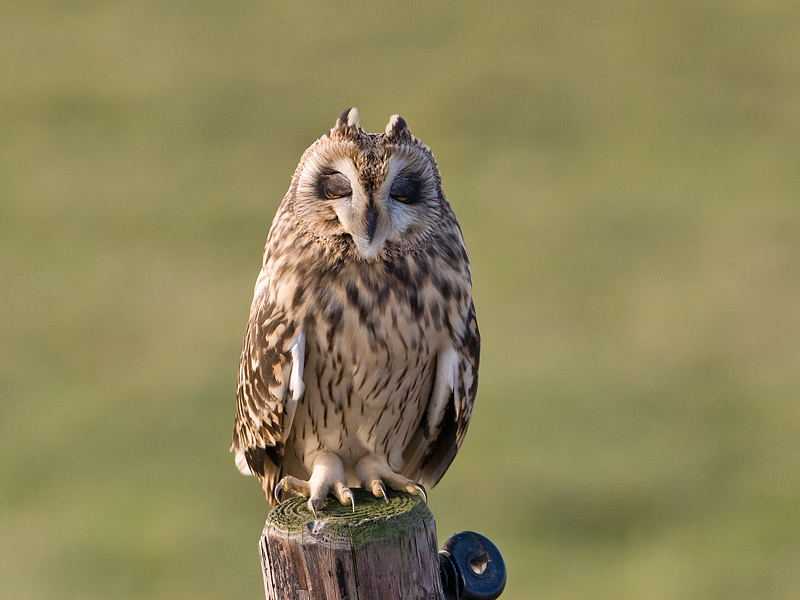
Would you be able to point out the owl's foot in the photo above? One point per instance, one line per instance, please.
(375, 475)
(327, 477)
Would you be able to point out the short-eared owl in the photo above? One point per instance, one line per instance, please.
(360, 358)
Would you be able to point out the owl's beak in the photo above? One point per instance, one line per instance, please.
(366, 220)
(369, 227)
(372, 220)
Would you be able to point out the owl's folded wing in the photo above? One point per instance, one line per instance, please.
(270, 384)
(444, 424)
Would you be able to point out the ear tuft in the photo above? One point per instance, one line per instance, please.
(347, 123)
(397, 128)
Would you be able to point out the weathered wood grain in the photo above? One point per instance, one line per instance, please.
(382, 551)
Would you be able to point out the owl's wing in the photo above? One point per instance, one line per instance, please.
(270, 385)
(444, 424)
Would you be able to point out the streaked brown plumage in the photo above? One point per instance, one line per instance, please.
(360, 358)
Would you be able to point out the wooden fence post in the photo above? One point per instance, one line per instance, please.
(382, 551)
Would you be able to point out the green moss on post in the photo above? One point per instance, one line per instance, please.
(382, 550)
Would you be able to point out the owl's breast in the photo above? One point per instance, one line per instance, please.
(370, 365)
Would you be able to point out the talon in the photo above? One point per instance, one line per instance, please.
(349, 495)
(422, 491)
(277, 491)
(314, 504)
(376, 475)
(343, 493)
(379, 490)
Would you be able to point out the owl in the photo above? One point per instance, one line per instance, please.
(360, 359)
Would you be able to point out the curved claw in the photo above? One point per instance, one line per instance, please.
(379, 490)
(277, 491)
(422, 491)
(314, 504)
(352, 499)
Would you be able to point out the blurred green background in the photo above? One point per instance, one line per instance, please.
(626, 175)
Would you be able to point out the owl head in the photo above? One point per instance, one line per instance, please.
(374, 193)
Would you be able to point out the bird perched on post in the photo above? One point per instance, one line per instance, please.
(360, 357)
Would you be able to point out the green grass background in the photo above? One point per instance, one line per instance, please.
(626, 175)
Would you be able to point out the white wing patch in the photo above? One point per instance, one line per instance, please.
(296, 386)
(241, 463)
(443, 386)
